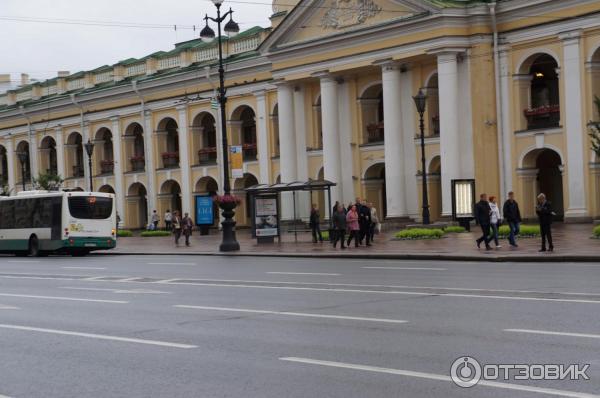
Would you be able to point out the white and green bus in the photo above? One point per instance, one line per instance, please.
(38, 223)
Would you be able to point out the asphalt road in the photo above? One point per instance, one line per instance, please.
(194, 326)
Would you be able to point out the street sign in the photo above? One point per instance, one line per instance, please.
(204, 210)
(237, 161)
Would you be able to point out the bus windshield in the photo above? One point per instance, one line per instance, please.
(90, 207)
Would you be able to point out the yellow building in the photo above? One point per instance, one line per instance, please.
(326, 92)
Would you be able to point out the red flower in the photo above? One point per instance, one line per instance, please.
(227, 199)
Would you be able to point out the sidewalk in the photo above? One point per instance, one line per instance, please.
(572, 243)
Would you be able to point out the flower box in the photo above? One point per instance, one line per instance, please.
(107, 166)
(249, 151)
(207, 155)
(542, 117)
(170, 159)
(138, 162)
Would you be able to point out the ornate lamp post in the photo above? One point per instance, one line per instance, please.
(89, 149)
(421, 103)
(23, 157)
(227, 202)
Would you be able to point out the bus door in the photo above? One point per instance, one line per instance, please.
(56, 231)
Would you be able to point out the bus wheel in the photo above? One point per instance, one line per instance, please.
(34, 246)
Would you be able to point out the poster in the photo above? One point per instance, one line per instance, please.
(204, 210)
(266, 218)
(237, 161)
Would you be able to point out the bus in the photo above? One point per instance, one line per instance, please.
(38, 223)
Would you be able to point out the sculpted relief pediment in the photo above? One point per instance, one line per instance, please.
(346, 13)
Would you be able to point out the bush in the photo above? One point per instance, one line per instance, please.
(146, 234)
(419, 233)
(325, 235)
(527, 231)
(124, 233)
(596, 231)
(455, 229)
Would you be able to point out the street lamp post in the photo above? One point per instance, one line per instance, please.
(421, 102)
(89, 149)
(23, 157)
(229, 242)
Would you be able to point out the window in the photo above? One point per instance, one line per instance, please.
(90, 207)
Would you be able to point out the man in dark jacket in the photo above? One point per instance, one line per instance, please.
(339, 224)
(482, 216)
(364, 221)
(512, 215)
(545, 215)
(315, 224)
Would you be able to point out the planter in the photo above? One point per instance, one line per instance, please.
(207, 155)
(107, 168)
(170, 160)
(543, 117)
(138, 164)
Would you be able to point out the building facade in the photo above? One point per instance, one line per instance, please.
(326, 92)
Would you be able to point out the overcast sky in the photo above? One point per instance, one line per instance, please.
(42, 49)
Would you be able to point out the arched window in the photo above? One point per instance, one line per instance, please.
(544, 111)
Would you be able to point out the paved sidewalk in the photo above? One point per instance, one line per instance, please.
(572, 243)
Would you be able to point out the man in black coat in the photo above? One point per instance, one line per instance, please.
(512, 215)
(482, 216)
(315, 224)
(364, 221)
(545, 215)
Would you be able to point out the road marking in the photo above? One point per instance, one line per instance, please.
(288, 313)
(118, 291)
(171, 263)
(23, 261)
(302, 273)
(100, 268)
(408, 268)
(550, 333)
(98, 336)
(63, 298)
(8, 307)
(440, 377)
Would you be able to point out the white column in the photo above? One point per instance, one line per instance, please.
(34, 154)
(149, 157)
(303, 198)
(331, 141)
(575, 132)
(287, 145)
(449, 125)
(184, 159)
(10, 160)
(118, 167)
(345, 139)
(262, 137)
(505, 105)
(217, 115)
(393, 148)
(86, 168)
(409, 151)
(60, 151)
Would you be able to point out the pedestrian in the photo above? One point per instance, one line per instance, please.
(545, 215)
(352, 225)
(348, 208)
(339, 225)
(176, 225)
(335, 207)
(168, 219)
(315, 224)
(495, 220)
(512, 215)
(186, 226)
(118, 222)
(375, 225)
(154, 219)
(482, 216)
(364, 221)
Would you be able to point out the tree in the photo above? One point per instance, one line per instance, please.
(48, 182)
(595, 132)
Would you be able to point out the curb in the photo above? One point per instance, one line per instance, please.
(547, 258)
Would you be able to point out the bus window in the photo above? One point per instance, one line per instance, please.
(7, 214)
(90, 207)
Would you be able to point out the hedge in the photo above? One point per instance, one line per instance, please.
(527, 231)
(124, 233)
(455, 229)
(596, 231)
(419, 233)
(155, 233)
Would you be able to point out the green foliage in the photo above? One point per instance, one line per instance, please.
(5, 190)
(124, 233)
(595, 131)
(419, 233)
(325, 235)
(596, 231)
(527, 231)
(155, 233)
(48, 182)
(455, 229)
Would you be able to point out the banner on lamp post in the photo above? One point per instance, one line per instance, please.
(237, 161)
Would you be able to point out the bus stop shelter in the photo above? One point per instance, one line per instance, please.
(293, 187)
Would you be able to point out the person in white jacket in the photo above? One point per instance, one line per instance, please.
(495, 220)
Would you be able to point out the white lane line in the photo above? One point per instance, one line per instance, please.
(8, 307)
(118, 291)
(63, 298)
(288, 313)
(550, 333)
(22, 261)
(92, 268)
(171, 263)
(408, 268)
(98, 336)
(440, 377)
(302, 273)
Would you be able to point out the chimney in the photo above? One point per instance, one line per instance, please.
(63, 73)
(24, 79)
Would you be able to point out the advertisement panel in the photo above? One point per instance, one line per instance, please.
(266, 217)
(204, 210)
(237, 161)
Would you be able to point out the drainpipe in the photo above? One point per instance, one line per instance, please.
(31, 136)
(86, 170)
(499, 113)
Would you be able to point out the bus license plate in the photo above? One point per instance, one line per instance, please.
(90, 245)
